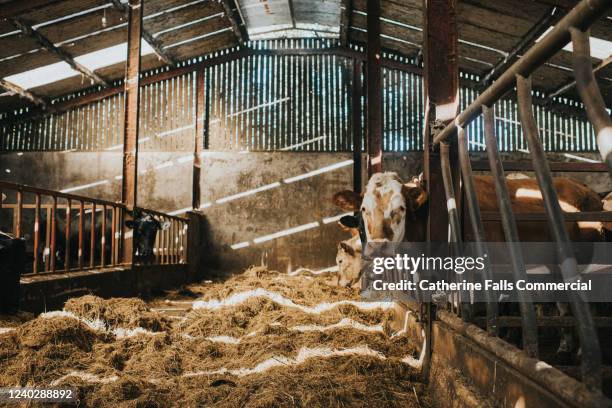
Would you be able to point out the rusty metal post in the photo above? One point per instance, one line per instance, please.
(199, 139)
(92, 237)
(18, 214)
(590, 94)
(591, 353)
(53, 233)
(529, 326)
(103, 238)
(81, 232)
(129, 186)
(374, 124)
(36, 233)
(67, 235)
(477, 226)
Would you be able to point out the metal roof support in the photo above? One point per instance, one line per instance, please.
(235, 19)
(153, 42)
(25, 94)
(61, 54)
(552, 16)
(374, 122)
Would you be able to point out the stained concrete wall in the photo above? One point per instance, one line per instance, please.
(248, 197)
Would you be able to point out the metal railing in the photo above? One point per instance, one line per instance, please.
(574, 26)
(68, 233)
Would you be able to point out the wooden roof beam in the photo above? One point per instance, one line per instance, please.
(238, 25)
(566, 87)
(61, 54)
(19, 7)
(153, 42)
(25, 94)
(345, 21)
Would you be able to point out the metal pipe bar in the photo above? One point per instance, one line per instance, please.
(453, 217)
(473, 207)
(530, 334)
(590, 94)
(103, 239)
(540, 27)
(36, 234)
(582, 16)
(67, 236)
(601, 216)
(591, 353)
(81, 232)
(92, 237)
(19, 214)
(52, 236)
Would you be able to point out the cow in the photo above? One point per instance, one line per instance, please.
(12, 264)
(388, 206)
(145, 226)
(348, 260)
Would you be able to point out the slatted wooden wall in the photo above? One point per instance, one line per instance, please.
(272, 103)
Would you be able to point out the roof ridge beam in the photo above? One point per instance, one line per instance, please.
(61, 54)
(157, 46)
(25, 94)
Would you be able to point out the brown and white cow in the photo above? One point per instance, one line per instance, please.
(348, 260)
(388, 206)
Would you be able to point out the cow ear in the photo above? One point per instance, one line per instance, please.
(347, 200)
(164, 225)
(349, 221)
(129, 224)
(415, 195)
(347, 248)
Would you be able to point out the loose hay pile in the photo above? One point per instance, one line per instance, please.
(278, 347)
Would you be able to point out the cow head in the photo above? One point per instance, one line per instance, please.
(384, 206)
(348, 259)
(145, 226)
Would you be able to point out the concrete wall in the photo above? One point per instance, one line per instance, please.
(269, 203)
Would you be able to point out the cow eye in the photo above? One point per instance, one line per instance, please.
(362, 209)
(402, 208)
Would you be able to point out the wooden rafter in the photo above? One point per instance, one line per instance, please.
(18, 7)
(25, 94)
(345, 21)
(566, 87)
(45, 43)
(153, 42)
(238, 27)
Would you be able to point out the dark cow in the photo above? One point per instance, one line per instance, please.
(145, 226)
(12, 263)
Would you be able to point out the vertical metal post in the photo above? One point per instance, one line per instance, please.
(529, 326)
(476, 223)
(36, 233)
(129, 185)
(92, 237)
(590, 94)
(591, 353)
(103, 238)
(67, 234)
(81, 232)
(18, 214)
(199, 139)
(53, 233)
(356, 130)
(374, 124)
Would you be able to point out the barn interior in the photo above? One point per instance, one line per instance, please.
(228, 126)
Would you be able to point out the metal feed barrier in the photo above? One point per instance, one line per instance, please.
(574, 26)
(42, 217)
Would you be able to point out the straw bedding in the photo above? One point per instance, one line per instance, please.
(256, 352)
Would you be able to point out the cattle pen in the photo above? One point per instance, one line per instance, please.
(236, 203)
